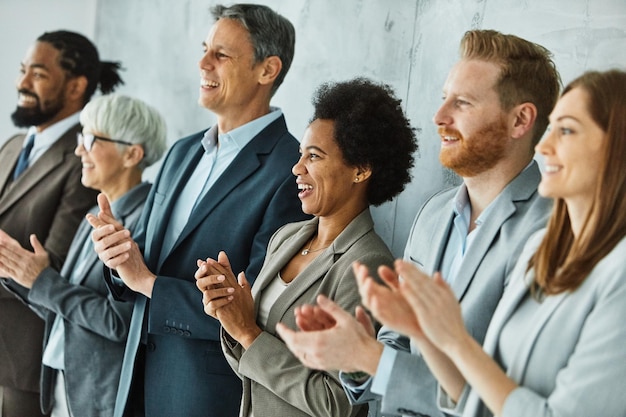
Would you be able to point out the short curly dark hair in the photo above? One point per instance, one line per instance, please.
(372, 131)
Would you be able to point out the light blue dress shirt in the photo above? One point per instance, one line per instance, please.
(220, 149)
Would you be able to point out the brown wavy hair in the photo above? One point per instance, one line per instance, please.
(562, 261)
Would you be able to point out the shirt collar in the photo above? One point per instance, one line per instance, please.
(49, 135)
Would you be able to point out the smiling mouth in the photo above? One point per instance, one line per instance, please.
(27, 100)
(208, 84)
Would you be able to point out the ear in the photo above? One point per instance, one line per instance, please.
(524, 116)
(76, 87)
(134, 154)
(270, 68)
(362, 174)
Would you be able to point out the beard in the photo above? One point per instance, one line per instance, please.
(36, 115)
(477, 153)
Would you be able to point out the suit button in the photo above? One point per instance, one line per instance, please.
(179, 332)
(166, 329)
(187, 333)
(151, 347)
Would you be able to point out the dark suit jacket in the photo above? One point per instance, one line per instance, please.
(95, 324)
(48, 200)
(186, 373)
(275, 382)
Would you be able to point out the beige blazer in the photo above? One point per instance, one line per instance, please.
(275, 383)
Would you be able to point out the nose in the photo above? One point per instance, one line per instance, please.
(544, 147)
(205, 61)
(442, 115)
(23, 81)
(298, 168)
(79, 150)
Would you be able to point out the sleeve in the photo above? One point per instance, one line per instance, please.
(81, 305)
(593, 377)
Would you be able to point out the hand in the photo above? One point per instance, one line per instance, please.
(227, 299)
(386, 303)
(19, 264)
(333, 348)
(116, 249)
(434, 306)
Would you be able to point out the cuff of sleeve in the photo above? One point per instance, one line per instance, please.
(383, 371)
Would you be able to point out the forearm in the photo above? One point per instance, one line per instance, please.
(480, 371)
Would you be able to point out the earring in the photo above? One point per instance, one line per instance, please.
(357, 179)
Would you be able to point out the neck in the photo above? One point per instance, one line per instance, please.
(483, 188)
(330, 227)
(122, 186)
(241, 116)
(65, 112)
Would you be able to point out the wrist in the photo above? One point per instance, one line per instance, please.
(368, 361)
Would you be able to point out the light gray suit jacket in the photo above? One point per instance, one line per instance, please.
(517, 212)
(275, 383)
(95, 324)
(573, 360)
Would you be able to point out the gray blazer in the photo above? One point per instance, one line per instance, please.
(275, 383)
(573, 360)
(518, 211)
(96, 325)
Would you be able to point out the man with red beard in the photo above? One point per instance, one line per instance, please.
(41, 195)
(495, 109)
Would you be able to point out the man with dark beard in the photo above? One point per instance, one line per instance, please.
(496, 103)
(41, 195)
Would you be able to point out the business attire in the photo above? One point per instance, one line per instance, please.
(173, 363)
(48, 200)
(570, 360)
(518, 211)
(275, 383)
(95, 325)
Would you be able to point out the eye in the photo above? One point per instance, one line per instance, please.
(220, 55)
(565, 131)
(313, 156)
(458, 102)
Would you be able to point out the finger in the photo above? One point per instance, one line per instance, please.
(242, 281)
(94, 221)
(37, 246)
(388, 276)
(364, 319)
(223, 260)
(213, 295)
(328, 306)
(214, 305)
(209, 281)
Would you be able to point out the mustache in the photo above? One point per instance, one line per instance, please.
(443, 131)
(25, 92)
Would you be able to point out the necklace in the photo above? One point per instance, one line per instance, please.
(308, 250)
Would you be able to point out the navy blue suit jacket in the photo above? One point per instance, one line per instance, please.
(186, 373)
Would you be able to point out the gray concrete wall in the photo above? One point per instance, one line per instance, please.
(409, 44)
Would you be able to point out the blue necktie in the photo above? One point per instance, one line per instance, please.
(22, 162)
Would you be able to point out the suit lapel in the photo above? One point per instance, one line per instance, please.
(8, 159)
(441, 232)
(482, 242)
(155, 233)
(277, 260)
(52, 158)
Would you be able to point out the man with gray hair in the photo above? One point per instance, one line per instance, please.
(227, 188)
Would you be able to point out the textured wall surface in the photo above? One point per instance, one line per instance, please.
(408, 44)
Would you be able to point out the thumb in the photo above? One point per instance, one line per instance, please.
(37, 246)
(104, 205)
(222, 259)
(364, 319)
(241, 279)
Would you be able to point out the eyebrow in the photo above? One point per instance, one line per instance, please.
(315, 148)
(559, 119)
